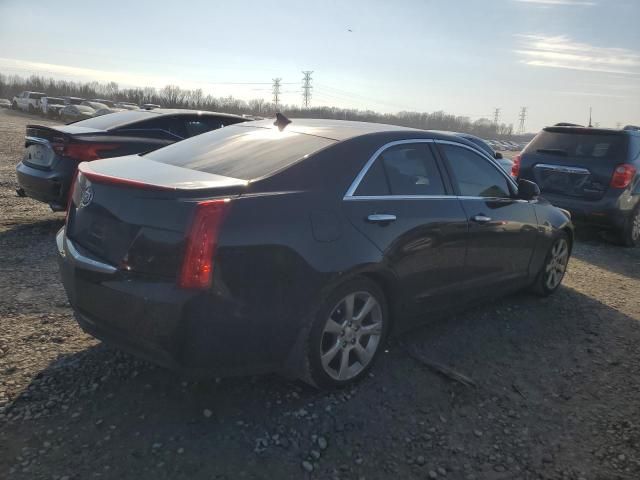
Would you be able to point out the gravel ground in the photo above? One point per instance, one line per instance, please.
(556, 395)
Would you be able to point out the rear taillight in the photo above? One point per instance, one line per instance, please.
(84, 152)
(622, 176)
(201, 243)
(70, 194)
(515, 168)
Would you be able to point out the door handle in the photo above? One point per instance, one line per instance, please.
(381, 218)
(481, 219)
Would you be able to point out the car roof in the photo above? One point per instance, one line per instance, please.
(592, 130)
(340, 130)
(186, 111)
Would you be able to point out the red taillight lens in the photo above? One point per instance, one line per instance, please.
(201, 243)
(85, 152)
(515, 168)
(622, 176)
(70, 194)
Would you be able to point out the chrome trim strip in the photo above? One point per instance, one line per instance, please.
(399, 197)
(374, 157)
(563, 169)
(68, 250)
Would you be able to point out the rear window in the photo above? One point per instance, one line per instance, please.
(115, 120)
(240, 152)
(578, 144)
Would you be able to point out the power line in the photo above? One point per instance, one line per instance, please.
(523, 117)
(306, 88)
(276, 91)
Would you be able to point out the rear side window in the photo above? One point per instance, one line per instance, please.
(407, 169)
(586, 145)
(241, 152)
(474, 175)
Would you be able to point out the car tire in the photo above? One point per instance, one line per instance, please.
(554, 268)
(630, 234)
(14, 106)
(341, 347)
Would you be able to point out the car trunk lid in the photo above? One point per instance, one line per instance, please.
(134, 213)
(573, 162)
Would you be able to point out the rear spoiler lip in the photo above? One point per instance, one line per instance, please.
(86, 170)
(60, 131)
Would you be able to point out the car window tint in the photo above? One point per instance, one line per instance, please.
(411, 169)
(474, 175)
(578, 143)
(374, 182)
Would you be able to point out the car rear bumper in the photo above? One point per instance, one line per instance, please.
(48, 186)
(192, 332)
(608, 212)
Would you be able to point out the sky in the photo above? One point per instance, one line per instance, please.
(558, 58)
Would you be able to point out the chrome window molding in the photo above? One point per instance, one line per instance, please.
(356, 182)
(350, 195)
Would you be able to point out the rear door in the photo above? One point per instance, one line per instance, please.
(573, 163)
(404, 205)
(503, 230)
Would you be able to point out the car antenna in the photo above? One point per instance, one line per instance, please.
(281, 121)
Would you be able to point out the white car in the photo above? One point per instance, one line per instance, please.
(28, 101)
(51, 106)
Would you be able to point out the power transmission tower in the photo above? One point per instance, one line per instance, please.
(523, 117)
(496, 117)
(306, 88)
(276, 91)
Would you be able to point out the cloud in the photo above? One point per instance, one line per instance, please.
(554, 3)
(562, 52)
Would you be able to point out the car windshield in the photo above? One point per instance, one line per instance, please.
(240, 152)
(55, 101)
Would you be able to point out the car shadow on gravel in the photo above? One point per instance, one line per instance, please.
(599, 249)
(556, 384)
(39, 227)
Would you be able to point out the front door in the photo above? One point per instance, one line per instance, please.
(503, 230)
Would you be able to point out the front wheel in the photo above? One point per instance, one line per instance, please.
(347, 334)
(554, 268)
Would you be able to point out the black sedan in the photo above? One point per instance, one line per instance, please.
(298, 248)
(52, 153)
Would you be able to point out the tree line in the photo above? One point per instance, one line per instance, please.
(172, 96)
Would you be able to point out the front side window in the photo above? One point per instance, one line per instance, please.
(474, 175)
(407, 169)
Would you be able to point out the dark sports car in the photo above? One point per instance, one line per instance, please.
(53, 152)
(298, 247)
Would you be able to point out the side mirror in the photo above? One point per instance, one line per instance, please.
(527, 190)
(498, 156)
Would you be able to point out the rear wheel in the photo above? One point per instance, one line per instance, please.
(14, 106)
(630, 235)
(347, 334)
(554, 268)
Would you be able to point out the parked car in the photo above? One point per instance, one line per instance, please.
(5, 103)
(51, 106)
(28, 101)
(105, 111)
(290, 248)
(74, 113)
(592, 172)
(95, 105)
(53, 152)
(73, 100)
(127, 106)
(108, 103)
(505, 163)
(149, 106)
